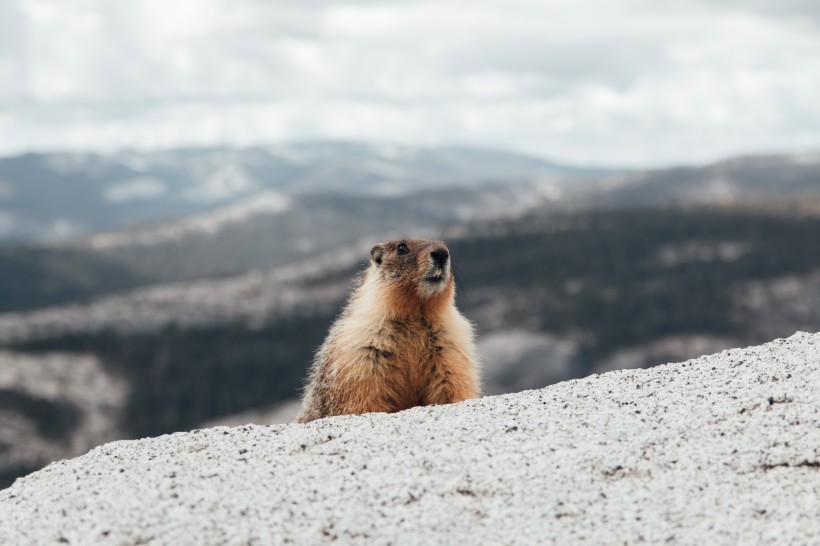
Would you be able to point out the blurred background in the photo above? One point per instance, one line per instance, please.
(188, 188)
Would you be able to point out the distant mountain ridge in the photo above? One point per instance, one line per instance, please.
(731, 181)
(62, 196)
(59, 196)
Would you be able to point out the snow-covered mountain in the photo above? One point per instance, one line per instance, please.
(733, 181)
(59, 196)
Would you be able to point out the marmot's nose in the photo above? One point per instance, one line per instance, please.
(440, 256)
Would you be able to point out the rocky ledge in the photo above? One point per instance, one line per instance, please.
(720, 449)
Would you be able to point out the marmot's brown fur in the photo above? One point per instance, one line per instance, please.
(400, 341)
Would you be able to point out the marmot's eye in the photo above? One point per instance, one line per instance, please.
(402, 248)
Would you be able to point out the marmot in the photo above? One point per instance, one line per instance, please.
(400, 342)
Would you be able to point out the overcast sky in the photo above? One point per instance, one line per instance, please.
(606, 82)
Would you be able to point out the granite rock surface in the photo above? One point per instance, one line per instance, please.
(722, 449)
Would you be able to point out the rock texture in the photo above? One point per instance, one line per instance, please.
(723, 449)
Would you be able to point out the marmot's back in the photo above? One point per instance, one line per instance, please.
(400, 341)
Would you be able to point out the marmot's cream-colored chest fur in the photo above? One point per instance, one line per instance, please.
(400, 341)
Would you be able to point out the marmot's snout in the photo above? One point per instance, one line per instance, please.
(438, 270)
(440, 256)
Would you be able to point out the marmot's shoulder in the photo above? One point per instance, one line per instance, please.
(400, 341)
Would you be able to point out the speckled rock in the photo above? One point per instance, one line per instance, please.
(723, 449)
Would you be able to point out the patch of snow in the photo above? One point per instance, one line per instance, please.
(67, 163)
(133, 161)
(621, 180)
(697, 251)
(390, 189)
(265, 203)
(7, 223)
(716, 190)
(291, 154)
(391, 152)
(384, 169)
(61, 229)
(304, 245)
(227, 182)
(134, 189)
(807, 158)
(549, 188)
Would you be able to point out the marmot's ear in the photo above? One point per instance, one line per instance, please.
(376, 254)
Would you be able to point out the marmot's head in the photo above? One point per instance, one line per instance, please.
(414, 269)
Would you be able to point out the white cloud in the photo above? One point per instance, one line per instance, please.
(633, 82)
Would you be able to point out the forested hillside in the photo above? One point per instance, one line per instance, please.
(608, 280)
